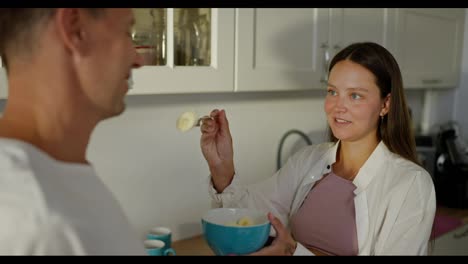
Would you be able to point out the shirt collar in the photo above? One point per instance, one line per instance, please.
(371, 167)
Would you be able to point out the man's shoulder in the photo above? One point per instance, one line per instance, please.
(19, 188)
(27, 229)
(28, 223)
(14, 160)
(12, 153)
(17, 155)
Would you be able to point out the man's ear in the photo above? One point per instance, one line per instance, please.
(70, 24)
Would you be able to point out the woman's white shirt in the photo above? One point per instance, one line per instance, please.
(394, 199)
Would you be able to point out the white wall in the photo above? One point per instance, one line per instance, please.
(159, 174)
(461, 93)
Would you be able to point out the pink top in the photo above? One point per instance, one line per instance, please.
(326, 219)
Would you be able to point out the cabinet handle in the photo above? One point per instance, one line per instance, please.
(326, 61)
(431, 81)
(337, 47)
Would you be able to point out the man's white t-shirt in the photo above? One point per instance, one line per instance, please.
(49, 207)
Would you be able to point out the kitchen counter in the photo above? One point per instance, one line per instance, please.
(452, 243)
(195, 246)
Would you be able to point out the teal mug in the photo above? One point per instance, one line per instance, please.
(157, 248)
(161, 233)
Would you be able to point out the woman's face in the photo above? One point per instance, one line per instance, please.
(353, 105)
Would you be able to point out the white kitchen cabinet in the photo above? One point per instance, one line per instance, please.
(280, 49)
(429, 44)
(350, 25)
(290, 49)
(215, 76)
(3, 81)
(266, 49)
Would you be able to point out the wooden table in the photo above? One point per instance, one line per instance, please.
(195, 246)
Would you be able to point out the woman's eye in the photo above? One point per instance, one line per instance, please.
(331, 92)
(355, 96)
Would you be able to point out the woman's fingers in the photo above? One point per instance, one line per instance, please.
(208, 125)
(277, 225)
(218, 121)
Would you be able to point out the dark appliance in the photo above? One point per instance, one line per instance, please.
(451, 173)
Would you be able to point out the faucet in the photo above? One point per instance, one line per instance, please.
(280, 148)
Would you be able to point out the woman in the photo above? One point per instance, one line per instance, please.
(361, 193)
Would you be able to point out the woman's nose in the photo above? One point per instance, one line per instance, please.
(340, 104)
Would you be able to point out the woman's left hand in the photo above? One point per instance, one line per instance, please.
(283, 245)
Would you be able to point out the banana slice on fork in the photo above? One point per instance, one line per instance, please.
(186, 121)
(189, 120)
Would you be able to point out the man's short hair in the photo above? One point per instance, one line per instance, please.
(19, 27)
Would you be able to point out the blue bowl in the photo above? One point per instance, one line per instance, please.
(226, 239)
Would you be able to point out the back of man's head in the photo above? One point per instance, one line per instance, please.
(19, 28)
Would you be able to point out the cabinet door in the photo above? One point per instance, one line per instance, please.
(173, 76)
(3, 81)
(429, 46)
(350, 25)
(280, 49)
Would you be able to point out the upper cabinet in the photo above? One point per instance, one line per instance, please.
(429, 46)
(201, 50)
(280, 49)
(349, 25)
(290, 49)
(185, 50)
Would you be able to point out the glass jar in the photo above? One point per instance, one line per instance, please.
(144, 42)
(149, 35)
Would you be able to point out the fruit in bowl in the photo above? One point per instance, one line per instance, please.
(236, 231)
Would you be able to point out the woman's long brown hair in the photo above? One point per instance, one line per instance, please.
(395, 128)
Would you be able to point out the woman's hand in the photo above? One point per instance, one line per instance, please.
(216, 146)
(283, 245)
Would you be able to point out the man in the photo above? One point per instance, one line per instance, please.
(67, 70)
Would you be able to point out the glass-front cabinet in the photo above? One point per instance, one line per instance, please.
(184, 50)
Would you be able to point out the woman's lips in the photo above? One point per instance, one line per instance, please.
(340, 121)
